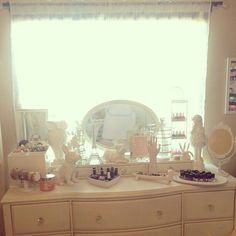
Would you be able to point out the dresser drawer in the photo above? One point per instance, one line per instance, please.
(206, 205)
(217, 228)
(38, 218)
(126, 214)
(167, 231)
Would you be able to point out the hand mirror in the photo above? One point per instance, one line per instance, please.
(221, 144)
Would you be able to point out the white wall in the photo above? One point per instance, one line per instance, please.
(222, 44)
(2, 179)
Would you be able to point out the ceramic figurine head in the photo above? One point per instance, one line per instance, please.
(197, 119)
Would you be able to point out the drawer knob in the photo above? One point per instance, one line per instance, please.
(98, 219)
(159, 213)
(40, 220)
(211, 207)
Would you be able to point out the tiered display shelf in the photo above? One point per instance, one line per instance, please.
(179, 110)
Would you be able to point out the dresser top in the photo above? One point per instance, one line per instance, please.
(127, 187)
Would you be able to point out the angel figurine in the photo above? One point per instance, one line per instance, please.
(198, 141)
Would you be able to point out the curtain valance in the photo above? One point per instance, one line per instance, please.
(108, 8)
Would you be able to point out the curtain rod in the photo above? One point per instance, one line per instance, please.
(214, 3)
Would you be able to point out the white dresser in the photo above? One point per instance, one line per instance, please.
(129, 208)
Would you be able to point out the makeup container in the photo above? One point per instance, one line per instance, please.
(47, 182)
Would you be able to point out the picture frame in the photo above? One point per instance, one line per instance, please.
(31, 124)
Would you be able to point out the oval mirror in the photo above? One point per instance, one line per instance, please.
(221, 144)
(112, 121)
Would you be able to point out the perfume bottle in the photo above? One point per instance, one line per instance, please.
(112, 172)
(102, 175)
(94, 173)
(108, 174)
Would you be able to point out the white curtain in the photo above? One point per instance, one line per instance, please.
(68, 63)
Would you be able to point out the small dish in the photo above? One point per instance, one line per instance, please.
(219, 180)
(104, 183)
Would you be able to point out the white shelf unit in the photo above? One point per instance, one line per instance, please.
(179, 125)
(164, 137)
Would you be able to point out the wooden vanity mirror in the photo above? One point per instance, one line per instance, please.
(114, 120)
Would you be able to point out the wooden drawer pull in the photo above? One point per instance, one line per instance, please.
(211, 207)
(40, 220)
(159, 213)
(98, 219)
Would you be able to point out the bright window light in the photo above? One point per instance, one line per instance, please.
(69, 66)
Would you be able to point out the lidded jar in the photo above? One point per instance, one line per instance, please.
(47, 182)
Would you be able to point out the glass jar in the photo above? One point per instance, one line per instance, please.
(47, 182)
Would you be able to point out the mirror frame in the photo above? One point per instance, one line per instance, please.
(106, 104)
(221, 126)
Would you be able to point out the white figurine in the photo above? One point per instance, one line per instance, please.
(198, 141)
(68, 171)
(116, 156)
(56, 138)
(153, 150)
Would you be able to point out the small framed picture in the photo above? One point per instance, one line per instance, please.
(31, 124)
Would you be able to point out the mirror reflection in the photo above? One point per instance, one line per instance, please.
(111, 122)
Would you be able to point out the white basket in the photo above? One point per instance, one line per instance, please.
(103, 183)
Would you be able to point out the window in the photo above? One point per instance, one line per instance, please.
(68, 66)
